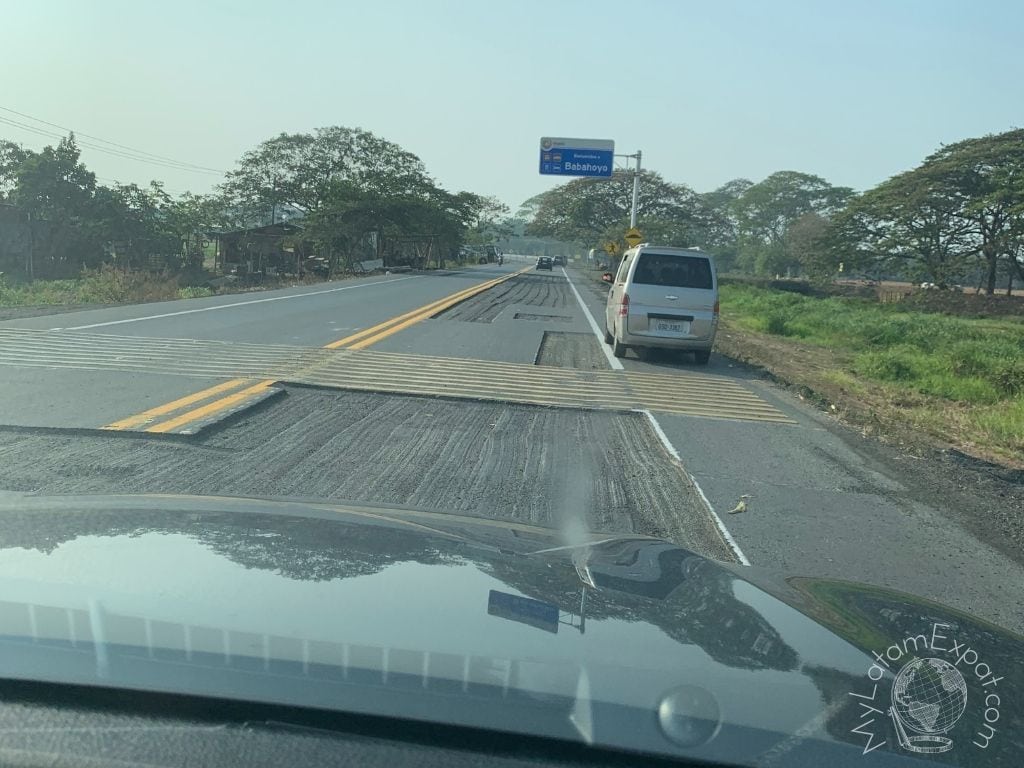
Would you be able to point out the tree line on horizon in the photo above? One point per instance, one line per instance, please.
(958, 215)
(342, 184)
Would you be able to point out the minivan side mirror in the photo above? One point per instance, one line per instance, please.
(607, 277)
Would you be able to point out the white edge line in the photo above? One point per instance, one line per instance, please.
(612, 360)
(666, 443)
(234, 304)
(714, 515)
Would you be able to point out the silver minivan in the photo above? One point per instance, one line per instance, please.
(663, 298)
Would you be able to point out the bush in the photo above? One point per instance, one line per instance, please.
(1003, 424)
(195, 292)
(776, 324)
(963, 390)
(899, 364)
(43, 292)
(106, 285)
(1009, 378)
(968, 358)
(109, 285)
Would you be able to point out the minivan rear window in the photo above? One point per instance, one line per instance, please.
(673, 270)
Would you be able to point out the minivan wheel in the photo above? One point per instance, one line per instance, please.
(701, 357)
(607, 336)
(618, 349)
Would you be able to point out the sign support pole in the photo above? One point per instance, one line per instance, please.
(636, 186)
(636, 192)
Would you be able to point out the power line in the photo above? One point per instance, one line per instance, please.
(104, 150)
(113, 143)
(51, 134)
(174, 191)
(93, 147)
(115, 149)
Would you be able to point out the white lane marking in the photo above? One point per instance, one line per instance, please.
(232, 305)
(614, 361)
(714, 515)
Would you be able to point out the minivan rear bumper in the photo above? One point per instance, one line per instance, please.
(631, 340)
(702, 336)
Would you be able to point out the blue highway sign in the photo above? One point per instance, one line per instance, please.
(576, 157)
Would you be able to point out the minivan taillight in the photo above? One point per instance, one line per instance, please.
(624, 305)
(716, 306)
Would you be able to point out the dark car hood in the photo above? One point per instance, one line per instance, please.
(622, 641)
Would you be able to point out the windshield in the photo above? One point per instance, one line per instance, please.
(433, 349)
(672, 270)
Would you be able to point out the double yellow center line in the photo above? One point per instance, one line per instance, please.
(237, 396)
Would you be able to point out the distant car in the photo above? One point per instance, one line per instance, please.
(559, 261)
(544, 262)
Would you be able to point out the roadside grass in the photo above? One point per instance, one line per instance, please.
(989, 431)
(959, 379)
(101, 286)
(108, 285)
(960, 359)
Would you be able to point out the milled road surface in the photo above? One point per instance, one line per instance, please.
(535, 290)
(554, 467)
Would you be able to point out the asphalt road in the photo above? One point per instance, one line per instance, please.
(310, 316)
(478, 391)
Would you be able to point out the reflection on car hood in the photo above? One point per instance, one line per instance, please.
(627, 642)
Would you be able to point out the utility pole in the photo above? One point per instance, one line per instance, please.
(273, 204)
(31, 247)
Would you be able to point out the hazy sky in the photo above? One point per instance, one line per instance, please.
(710, 90)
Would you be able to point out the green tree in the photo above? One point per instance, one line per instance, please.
(722, 224)
(55, 189)
(765, 210)
(963, 205)
(350, 215)
(77, 223)
(911, 224)
(192, 217)
(806, 241)
(485, 218)
(594, 210)
(134, 220)
(12, 156)
(52, 181)
(302, 170)
(986, 175)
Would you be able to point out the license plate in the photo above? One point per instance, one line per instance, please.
(668, 326)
